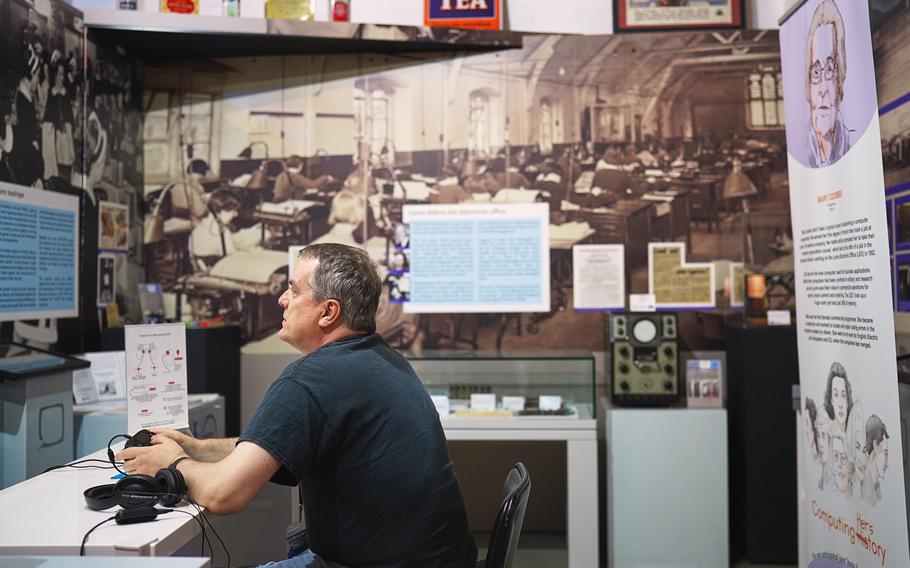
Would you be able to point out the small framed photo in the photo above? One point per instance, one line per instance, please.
(664, 15)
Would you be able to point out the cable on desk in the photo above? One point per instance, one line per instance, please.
(110, 452)
(75, 465)
(209, 523)
(198, 508)
(90, 531)
(201, 526)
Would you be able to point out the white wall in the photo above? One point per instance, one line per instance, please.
(763, 14)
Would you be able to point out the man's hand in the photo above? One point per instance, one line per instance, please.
(163, 451)
(189, 444)
(207, 450)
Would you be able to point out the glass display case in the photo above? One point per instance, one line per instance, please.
(517, 385)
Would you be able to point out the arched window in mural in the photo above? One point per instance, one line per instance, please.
(168, 150)
(546, 126)
(373, 115)
(766, 99)
(550, 124)
(479, 118)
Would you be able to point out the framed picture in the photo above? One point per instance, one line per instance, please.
(663, 15)
(113, 227)
(107, 281)
(901, 224)
(902, 282)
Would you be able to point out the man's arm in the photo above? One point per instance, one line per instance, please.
(222, 487)
(227, 486)
(208, 450)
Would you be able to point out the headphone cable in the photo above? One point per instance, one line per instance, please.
(110, 452)
(202, 527)
(75, 466)
(85, 538)
(192, 502)
(198, 508)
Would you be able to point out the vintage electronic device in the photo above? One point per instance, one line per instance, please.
(645, 354)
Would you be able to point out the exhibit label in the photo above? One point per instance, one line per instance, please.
(675, 283)
(854, 510)
(39, 253)
(479, 257)
(598, 277)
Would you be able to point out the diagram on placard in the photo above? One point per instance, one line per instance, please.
(146, 360)
(172, 361)
(147, 355)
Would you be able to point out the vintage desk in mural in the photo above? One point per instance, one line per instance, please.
(704, 197)
(628, 223)
(670, 215)
(243, 288)
(288, 223)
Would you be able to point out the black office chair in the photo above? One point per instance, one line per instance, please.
(511, 515)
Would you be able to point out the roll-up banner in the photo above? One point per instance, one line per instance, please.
(854, 509)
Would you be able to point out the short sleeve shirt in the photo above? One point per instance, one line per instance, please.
(353, 424)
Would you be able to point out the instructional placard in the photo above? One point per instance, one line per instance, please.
(156, 376)
(39, 253)
(478, 258)
(598, 277)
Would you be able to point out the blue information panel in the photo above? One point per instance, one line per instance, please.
(478, 258)
(39, 251)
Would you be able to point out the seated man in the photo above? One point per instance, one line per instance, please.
(291, 184)
(350, 421)
(214, 236)
(345, 216)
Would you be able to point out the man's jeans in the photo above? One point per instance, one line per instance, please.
(306, 559)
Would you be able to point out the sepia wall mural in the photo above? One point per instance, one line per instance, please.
(245, 157)
(70, 123)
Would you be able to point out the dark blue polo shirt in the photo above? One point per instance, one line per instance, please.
(354, 425)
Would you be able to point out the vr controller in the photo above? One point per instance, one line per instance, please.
(141, 439)
(167, 488)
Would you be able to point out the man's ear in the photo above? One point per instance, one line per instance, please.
(331, 313)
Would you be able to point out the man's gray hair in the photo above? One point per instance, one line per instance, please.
(346, 274)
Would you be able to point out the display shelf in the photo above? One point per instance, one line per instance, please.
(181, 36)
(457, 374)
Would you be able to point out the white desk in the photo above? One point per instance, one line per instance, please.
(46, 515)
(85, 562)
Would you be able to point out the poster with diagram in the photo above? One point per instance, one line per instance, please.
(156, 376)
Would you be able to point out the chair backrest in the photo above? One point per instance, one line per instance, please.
(511, 515)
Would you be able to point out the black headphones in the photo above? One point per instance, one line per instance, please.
(167, 488)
